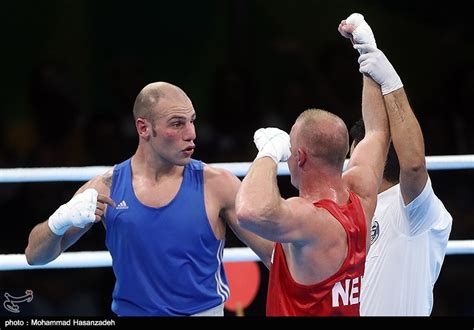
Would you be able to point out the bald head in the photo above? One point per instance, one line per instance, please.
(152, 94)
(324, 135)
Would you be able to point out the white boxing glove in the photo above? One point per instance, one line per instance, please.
(362, 33)
(375, 64)
(272, 142)
(356, 28)
(78, 212)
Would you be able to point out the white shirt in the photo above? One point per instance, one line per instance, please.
(408, 245)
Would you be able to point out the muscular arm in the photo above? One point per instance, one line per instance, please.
(408, 142)
(226, 187)
(262, 210)
(365, 169)
(45, 246)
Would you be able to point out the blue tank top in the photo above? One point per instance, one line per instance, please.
(166, 260)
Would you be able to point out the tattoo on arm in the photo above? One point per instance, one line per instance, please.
(107, 179)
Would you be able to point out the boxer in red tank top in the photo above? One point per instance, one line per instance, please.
(315, 244)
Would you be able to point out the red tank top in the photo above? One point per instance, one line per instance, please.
(339, 294)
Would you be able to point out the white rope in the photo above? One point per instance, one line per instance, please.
(50, 174)
(94, 259)
(459, 162)
(103, 258)
(460, 247)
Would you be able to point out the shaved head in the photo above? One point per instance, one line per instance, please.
(146, 103)
(324, 135)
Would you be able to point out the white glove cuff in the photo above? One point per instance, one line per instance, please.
(391, 86)
(263, 153)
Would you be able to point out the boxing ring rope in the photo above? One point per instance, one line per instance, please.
(95, 259)
(54, 174)
(92, 259)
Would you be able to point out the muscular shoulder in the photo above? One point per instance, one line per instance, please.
(221, 182)
(219, 177)
(302, 207)
(364, 186)
(319, 224)
(300, 203)
(102, 183)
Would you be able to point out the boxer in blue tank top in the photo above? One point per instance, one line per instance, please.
(164, 238)
(165, 216)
